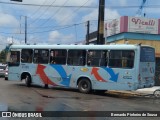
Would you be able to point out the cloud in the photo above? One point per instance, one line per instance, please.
(61, 15)
(58, 38)
(4, 41)
(8, 20)
(109, 14)
(67, 15)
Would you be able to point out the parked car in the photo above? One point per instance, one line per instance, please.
(6, 73)
(2, 69)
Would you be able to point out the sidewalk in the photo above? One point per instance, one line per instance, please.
(139, 92)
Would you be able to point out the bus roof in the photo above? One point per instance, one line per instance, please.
(98, 47)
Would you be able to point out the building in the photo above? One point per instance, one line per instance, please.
(133, 30)
(136, 30)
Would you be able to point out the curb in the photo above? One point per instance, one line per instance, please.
(126, 93)
(137, 93)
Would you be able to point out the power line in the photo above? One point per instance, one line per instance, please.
(54, 14)
(60, 27)
(72, 14)
(67, 26)
(45, 27)
(71, 6)
(44, 12)
(67, 16)
(22, 4)
(38, 8)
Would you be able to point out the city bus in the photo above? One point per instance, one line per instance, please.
(83, 67)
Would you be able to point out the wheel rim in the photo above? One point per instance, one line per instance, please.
(157, 93)
(84, 86)
(26, 79)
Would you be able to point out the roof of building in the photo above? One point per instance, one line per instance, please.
(136, 36)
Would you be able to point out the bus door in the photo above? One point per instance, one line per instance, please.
(58, 65)
(14, 65)
(147, 66)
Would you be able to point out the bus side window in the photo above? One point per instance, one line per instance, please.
(115, 58)
(26, 55)
(127, 58)
(44, 56)
(15, 56)
(130, 62)
(58, 56)
(97, 58)
(76, 57)
(41, 56)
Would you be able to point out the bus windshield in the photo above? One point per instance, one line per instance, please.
(147, 54)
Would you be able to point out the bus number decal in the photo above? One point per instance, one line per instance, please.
(43, 76)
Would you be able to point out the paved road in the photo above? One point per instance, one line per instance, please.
(18, 97)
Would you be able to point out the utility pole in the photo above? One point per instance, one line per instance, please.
(100, 34)
(25, 22)
(87, 38)
(25, 29)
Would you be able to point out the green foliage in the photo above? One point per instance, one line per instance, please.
(3, 56)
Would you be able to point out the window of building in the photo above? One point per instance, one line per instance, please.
(76, 57)
(58, 56)
(41, 56)
(26, 55)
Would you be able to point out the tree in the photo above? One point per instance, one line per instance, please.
(3, 56)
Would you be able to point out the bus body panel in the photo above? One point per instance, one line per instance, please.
(146, 67)
(101, 78)
(147, 74)
(14, 73)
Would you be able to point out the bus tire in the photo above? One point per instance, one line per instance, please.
(46, 86)
(84, 86)
(28, 80)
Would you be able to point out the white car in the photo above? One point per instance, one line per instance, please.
(6, 73)
(2, 69)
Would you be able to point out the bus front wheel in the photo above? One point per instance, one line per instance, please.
(84, 86)
(28, 80)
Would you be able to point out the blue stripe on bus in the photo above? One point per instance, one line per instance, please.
(114, 77)
(63, 74)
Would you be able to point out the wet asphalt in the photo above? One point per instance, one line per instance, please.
(18, 97)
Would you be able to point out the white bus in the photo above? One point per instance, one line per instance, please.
(85, 67)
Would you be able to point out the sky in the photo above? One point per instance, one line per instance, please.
(52, 22)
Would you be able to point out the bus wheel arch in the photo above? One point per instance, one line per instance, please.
(84, 85)
(27, 77)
